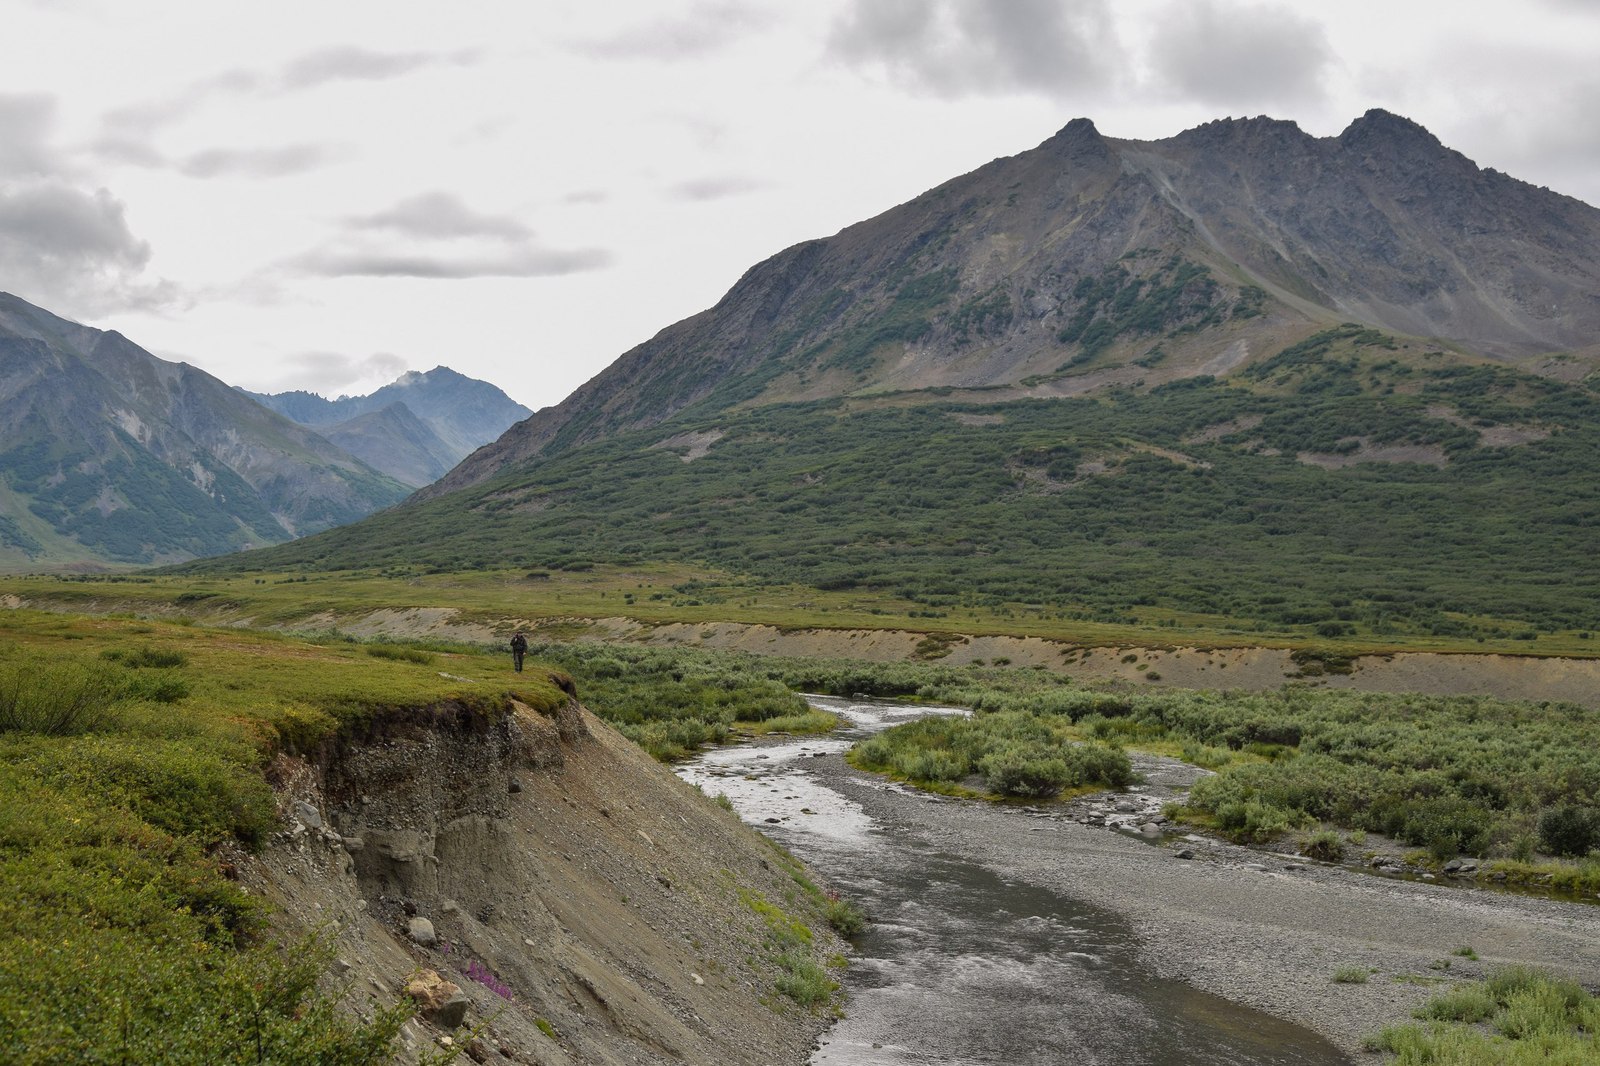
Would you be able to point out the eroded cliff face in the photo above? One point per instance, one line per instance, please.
(592, 907)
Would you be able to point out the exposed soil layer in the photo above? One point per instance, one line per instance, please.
(592, 907)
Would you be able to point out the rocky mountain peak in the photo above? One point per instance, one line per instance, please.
(1391, 143)
(1080, 142)
(1227, 134)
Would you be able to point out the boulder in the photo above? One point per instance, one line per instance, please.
(438, 1001)
(421, 931)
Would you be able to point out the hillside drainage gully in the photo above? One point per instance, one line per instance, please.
(960, 965)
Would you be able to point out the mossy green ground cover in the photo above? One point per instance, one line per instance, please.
(130, 752)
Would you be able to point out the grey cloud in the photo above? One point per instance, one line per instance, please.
(1548, 139)
(127, 132)
(435, 235)
(965, 47)
(74, 252)
(703, 29)
(515, 263)
(255, 162)
(27, 123)
(1239, 55)
(715, 188)
(439, 215)
(327, 372)
(586, 196)
(350, 63)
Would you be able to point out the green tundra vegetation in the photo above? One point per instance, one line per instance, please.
(1453, 775)
(1247, 506)
(1518, 1017)
(132, 757)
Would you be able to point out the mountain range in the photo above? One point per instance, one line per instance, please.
(110, 454)
(413, 429)
(1242, 378)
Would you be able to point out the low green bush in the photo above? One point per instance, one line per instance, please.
(399, 654)
(1570, 830)
(55, 696)
(1531, 1017)
(1325, 845)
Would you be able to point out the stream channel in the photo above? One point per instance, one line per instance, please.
(958, 964)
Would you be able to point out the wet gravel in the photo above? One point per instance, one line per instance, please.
(1257, 928)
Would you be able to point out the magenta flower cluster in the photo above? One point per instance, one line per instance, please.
(488, 979)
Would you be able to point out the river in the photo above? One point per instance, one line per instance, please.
(961, 965)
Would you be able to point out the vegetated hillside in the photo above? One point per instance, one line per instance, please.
(413, 429)
(109, 454)
(1351, 484)
(1105, 380)
(1090, 262)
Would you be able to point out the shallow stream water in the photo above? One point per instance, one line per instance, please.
(960, 965)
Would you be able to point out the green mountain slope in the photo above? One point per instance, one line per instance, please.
(1351, 485)
(109, 454)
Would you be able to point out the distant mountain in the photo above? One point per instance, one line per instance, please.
(394, 440)
(1090, 262)
(442, 416)
(110, 454)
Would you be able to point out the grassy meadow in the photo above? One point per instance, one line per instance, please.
(133, 756)
(657, 593)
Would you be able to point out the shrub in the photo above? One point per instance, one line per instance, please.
(406, 655)
(147, 657)
(1351, 975)
(1468, 1004)
(1569, 830)
(803, 980)
(1325, 845)
(54, 697)
(846, 918)
(1014, 771)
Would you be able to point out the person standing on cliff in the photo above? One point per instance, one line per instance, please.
(519, 648)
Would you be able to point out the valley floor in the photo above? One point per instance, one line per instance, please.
(1261, 929)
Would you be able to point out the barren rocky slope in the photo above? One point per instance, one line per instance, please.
(591, 907)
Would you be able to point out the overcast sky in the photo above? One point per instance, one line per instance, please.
(323, 195)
